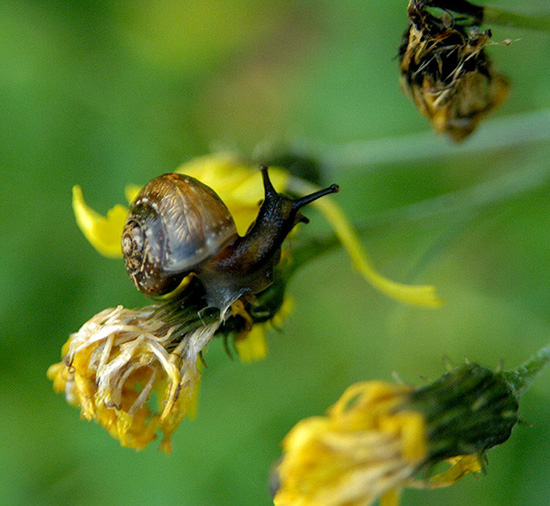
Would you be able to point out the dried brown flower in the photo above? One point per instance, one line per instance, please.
(445, 69)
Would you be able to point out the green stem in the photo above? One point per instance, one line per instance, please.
(507, 132)
(522, 377)
(496, 16)
(458, 203)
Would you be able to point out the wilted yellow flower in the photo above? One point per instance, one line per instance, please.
(102, 232)
(120, 358)
(379, 436)
(446, 71)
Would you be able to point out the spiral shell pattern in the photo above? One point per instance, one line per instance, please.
(174, 224)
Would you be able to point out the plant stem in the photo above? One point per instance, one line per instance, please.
(506, 132)
(460, 203)
(522, 377)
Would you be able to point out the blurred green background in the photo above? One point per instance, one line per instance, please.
(106, 93)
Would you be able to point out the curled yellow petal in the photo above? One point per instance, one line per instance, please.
(102, 232)
(254, 346)
(283, 313)
(460, 467)
(419, 295)
(251, 344)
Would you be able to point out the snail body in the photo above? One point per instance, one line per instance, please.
(177, 226)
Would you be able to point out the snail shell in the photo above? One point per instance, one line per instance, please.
(174, 224)
(178, 225)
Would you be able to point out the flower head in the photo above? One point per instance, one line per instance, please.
(121, 359)
(379, 436)
(360, 450)
(446, 71)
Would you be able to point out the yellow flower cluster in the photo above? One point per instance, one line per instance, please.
(363, 449)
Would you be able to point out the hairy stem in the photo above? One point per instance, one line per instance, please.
(524, 375)
(517, 130)
(460, 203)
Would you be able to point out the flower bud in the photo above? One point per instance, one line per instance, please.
(446, 71)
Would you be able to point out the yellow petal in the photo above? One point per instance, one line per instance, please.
(420, 295)
(284, 312)
(391, 498)
(254, 346)
(251, 344)
(461, 466)
(102, 232)
(131, 192)
(353, 455)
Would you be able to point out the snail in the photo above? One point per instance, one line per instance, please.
(177, 226)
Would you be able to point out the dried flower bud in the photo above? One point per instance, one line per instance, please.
(445, 69)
